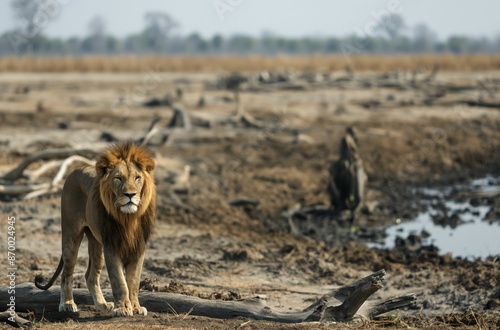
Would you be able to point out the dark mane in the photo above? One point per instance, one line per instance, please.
(125, 234)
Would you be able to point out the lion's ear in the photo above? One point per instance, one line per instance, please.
(148, 164)
(101, 166)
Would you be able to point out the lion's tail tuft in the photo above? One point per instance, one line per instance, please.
(39, 279)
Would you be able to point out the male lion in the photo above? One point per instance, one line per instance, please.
(114, 205)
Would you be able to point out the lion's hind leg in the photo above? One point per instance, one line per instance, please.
(93, 274)
(69, 254)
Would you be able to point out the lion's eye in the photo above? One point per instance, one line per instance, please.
(137, 178)
(118, 179)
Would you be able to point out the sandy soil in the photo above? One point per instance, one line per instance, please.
(217, 251)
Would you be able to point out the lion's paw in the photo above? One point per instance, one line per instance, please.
(105, 306)
(141, 311)
(68, 307)
(122, 311)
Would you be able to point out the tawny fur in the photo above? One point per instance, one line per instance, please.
(114, 205)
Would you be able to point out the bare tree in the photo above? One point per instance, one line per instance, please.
(97, 26)
(33, 16)
(159, 25)
(392, 26)
(424, 38)
(25, 11)
(97, 30)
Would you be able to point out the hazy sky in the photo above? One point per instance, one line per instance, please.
(283, 17)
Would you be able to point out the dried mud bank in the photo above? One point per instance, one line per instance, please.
(208, 245)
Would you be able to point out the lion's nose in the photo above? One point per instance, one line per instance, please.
(129, 195)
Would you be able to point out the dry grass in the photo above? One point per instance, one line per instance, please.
(447, 62)
(457, 321)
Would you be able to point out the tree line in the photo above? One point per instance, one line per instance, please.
(159, 37)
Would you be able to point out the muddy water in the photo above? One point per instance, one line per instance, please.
(453, 223)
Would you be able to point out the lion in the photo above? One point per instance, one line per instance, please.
(114, 205)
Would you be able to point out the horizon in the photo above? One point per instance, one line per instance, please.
(240, 17)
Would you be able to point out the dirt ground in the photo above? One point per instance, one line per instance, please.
(204, 246)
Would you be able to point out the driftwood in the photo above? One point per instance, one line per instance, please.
(17, 172)
(56, 183)
(35, 190)
(343, 304)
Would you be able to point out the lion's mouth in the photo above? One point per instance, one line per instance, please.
(129, 207)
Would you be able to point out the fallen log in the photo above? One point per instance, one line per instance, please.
(343, 304)
(17, 172)
(21, 189)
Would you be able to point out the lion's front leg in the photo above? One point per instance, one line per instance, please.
(93, 274)
(123, 307)
(133, 275)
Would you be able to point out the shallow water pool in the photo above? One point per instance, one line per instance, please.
(467, 236)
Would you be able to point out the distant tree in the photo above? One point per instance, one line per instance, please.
(424, 38)
(392, 26)
(135, 43)
(97, 26)
(268, 42)
(216, 43)
(458, 44)
(332, 45)
(310, 45)
(241, 44)
(96, 41)
(25, 11)
(496, 44)
(158, 27)
(441, 47)
(113, 45)
(74, 45)
(402, 44)
(195, 43)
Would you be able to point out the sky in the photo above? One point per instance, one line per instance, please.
(290, 18)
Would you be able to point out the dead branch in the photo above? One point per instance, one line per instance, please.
(469, 102)
(432, 75)
(35, 174)
(55, 185)
(64, 167)
(17, 172)
(40, 192)
(14, 320)
(20, 189)
(244, 202)
(151, 131)
(341, 304)
(37, 190)
(180, 119)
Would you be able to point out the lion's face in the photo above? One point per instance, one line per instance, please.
(126, 180)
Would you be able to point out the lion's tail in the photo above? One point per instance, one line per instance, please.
(39, 278)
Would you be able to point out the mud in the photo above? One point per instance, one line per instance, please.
(204, 246)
